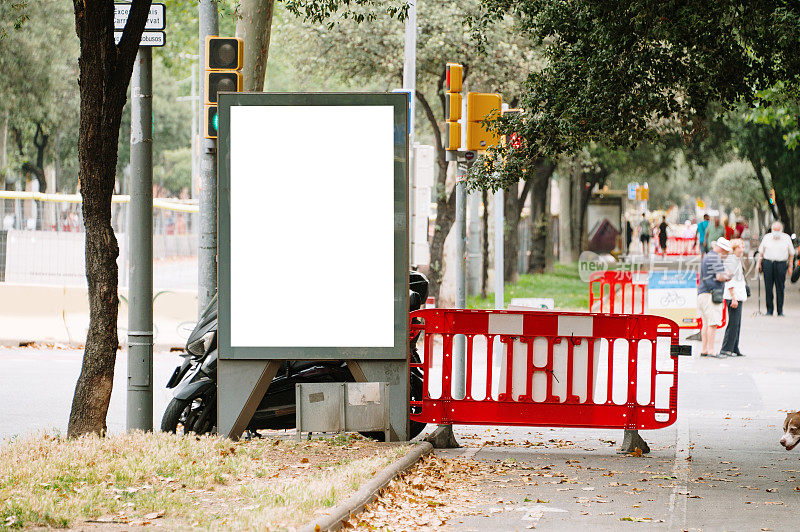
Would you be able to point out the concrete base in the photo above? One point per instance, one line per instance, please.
(443, 438)
(631, 441)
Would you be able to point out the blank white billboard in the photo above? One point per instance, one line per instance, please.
(312, 226)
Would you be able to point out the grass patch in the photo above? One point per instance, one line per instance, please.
(562, 284)
(182, 482)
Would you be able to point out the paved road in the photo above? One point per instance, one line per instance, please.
(36, 387)
(720, 467)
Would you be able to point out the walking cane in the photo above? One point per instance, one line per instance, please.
(758, 309)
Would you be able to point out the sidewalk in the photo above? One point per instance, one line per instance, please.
(719, 467)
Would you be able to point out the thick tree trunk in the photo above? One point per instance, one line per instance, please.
(540, 215)
(254, 26)
(105, 71)
(576, 183)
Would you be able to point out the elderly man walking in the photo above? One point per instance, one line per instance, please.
(710, 295)
(775, 260)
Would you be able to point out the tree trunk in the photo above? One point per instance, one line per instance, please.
(510, 234)
(254, 26)
(105, 71)
(764, 189)
(540, 215)
(783, 210)
(575, 195)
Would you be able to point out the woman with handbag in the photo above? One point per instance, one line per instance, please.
(710, 293)
(735, 295)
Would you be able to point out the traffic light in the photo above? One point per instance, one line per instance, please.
(224, 60)
(212, 122)
(482, 107)
(452, 106)
(514, 139)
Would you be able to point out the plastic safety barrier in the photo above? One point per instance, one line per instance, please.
(604, 288)
(625, 292)
(679, 246)
(542, 368)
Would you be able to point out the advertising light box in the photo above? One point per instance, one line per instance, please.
(313, 260)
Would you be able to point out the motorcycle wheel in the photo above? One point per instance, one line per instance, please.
(795, 274)
(186, 416)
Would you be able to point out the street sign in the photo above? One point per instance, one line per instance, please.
(156, 19)
(149, 38)
(632, 190)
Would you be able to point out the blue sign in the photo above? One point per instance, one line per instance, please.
(632, 190)
(672, 279)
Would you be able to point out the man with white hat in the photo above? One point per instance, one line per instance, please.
(774, 253)
(710, 295)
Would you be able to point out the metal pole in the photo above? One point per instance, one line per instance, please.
(459, 390)
(195, 132)
(207, 177)
(410, 84)
(140, 286)
(474, 244)
(499, 222)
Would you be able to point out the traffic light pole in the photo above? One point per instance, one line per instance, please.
(139, 414)
(207, 177)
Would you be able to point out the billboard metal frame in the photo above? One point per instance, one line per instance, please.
(400, 348)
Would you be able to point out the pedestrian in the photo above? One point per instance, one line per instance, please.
(662, 235)
(735, 295)
(628, 235)
(730, 230)
(710, 293)
(714, 231)
(644, 235)
(775, 259)
(701, 234)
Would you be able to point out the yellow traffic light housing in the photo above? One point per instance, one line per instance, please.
(452, 106)
(211, 122)
(482, 107)
(452, 139)
(222, 81)
(224, 60)
(224, 53)
(454, 77)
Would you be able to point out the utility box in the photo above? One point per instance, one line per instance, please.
(342, 407)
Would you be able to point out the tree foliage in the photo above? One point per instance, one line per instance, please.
(620, 72)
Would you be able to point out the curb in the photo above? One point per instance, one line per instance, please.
(368, 492)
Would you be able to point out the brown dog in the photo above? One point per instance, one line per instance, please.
(791, 431)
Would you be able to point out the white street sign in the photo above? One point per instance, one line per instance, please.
(149, 38)
(156, 19)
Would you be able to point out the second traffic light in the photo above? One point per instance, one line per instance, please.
(223, 63)
(452, 106)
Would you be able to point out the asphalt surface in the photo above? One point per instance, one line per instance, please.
(37, 384)
(719, 467)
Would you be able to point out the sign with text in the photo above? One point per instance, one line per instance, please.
(156, 19)
(673, 295)
(149, 38)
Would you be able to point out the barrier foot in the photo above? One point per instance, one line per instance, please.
(443, 438)
(631, 441)
(695, 336)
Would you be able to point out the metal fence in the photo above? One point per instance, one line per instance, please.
(42, 240)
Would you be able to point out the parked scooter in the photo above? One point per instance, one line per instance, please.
(194, 406)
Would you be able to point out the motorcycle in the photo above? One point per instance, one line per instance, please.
(193, 408)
